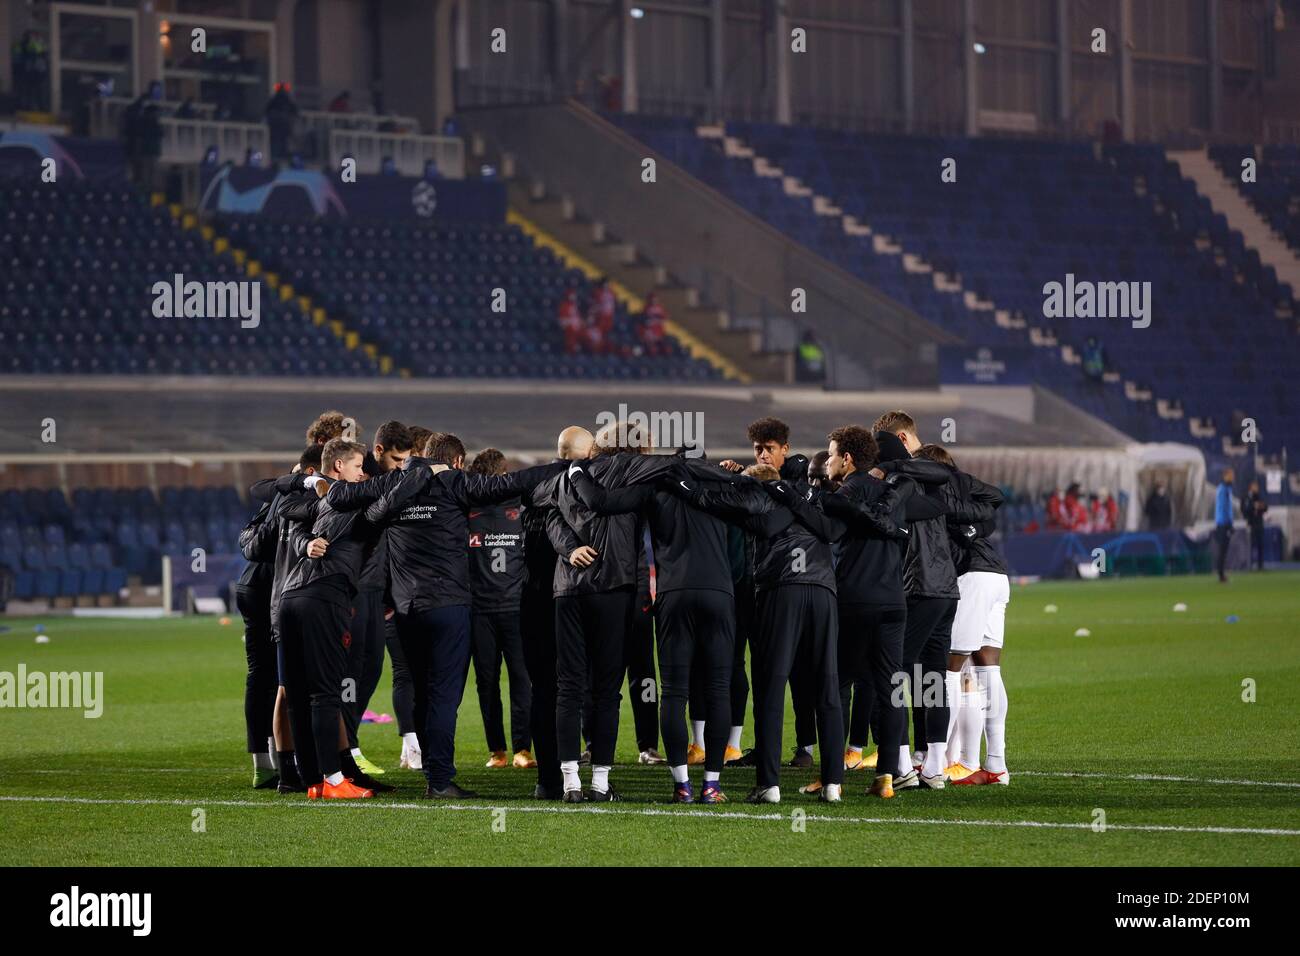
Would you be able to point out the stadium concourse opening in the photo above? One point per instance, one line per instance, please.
(830, 434)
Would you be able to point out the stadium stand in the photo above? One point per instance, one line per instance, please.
(1275, 193)
(77, 263)
(424, 294)
(92, 544)
(1034, 212)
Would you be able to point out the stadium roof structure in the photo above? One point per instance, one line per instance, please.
(228, 417)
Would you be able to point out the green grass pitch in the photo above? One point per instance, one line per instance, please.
(1143, 720)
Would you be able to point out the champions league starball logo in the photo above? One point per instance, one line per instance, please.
(424, 199)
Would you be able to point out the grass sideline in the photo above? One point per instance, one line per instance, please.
(1150, 694)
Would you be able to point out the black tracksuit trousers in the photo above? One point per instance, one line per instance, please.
(695, 629)
(403, 686)
(870, 655)
(857, 713)
(745, 626)
(537, 629)
(365, 657)
(262, 682)
(639, 658)
(590, 631)
(803, 697)
(643, 690)
(495, 636)
(927, 640)
(316, 636)
(797, 623)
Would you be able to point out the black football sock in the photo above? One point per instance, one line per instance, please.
(288, 768)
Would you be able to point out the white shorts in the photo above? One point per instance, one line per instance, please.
(981, 612)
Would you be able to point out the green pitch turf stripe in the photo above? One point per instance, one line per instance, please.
(652, 812)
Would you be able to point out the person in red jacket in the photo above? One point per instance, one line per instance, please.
(1056, 517)
(570, 320)
(1075, 513)
(603, 305)
(651, 329)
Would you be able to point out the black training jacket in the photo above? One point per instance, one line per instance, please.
(690, 545)
(616, 538)
(973, 551)
(869, 569)
(427, 527)
(496, 557)
(972, 507)
(257, 575)
(539, 553)
(792, 536)
(352, 536)
(280, 539)
(928, 571)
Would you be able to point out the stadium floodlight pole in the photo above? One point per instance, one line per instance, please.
(1127, 101)
(970, 74)
(1063, 54)
(907, 65)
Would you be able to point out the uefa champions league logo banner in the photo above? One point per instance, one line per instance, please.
(22, 153)
(306, 192)
(966, 365)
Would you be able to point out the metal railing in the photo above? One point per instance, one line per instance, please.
(106, 113)
(409, 153)
(187, 140)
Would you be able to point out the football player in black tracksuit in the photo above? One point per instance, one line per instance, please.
(316, 615)
(392, 446)
(537, 615)
(639, 661)
(770, 438)
(796, 618)
(273, 543)
(930, 581)
(429, 571)
(977, 628)
(694, 604)
(496, 564)
(868, 572)
(253, 598)
(595, 598)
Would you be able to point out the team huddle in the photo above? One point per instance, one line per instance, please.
(863, 579)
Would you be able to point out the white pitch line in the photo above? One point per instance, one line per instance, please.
(1067, 774)
(655, 812)
(1152, 776)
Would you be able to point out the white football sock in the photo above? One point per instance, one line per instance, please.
(808, 749)
(697, 733)
(995, 719)
(335, 778)
(711, 776)
(571, 779)
(411, 741)
(734, 740)
(600, 779)
(936, 755)
(904, 760)
(853, 749)
(970, 728)
(262, 762)
(679, 774)
(952, 695)
(356, 752)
